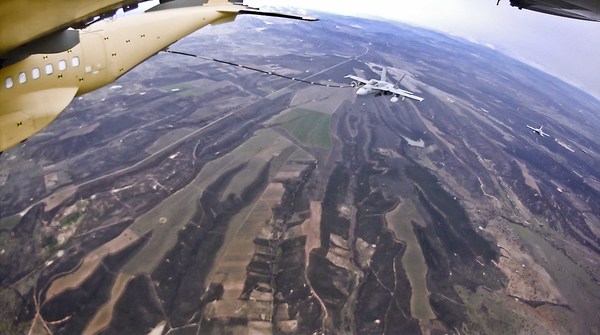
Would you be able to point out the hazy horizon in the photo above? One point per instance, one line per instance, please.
(559, 46)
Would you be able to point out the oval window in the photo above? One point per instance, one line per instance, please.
(35, 73)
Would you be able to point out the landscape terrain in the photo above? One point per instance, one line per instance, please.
(193, 197)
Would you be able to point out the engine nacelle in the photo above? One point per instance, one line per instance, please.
(394, 98)
(354, 84)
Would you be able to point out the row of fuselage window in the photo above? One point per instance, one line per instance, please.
(36, 73)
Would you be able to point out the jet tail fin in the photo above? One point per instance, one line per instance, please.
(398, 82)
(384, 74)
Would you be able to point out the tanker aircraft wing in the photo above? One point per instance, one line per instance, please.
(588, 10)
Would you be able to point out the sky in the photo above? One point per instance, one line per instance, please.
(566, 48)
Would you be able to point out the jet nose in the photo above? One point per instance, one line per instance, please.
(362, 91)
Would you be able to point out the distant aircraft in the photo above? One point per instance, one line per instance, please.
(39, 79)
(381, 87)
(588, 10)
(538, 131)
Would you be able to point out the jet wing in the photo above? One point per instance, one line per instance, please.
(400, 92)
(358, 79)
(26, 114)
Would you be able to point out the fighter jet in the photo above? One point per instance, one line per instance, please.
(381, 87)
(40, 78)
(538, 131)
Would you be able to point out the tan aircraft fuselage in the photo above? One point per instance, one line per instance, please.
(35, 90)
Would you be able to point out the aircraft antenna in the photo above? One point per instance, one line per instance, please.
(398, 82)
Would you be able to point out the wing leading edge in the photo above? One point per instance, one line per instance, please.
(400, 92)
(357, 79)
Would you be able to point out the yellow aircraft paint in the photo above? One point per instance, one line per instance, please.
(23, 21)
(35, 90)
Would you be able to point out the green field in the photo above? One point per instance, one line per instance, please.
(178, 209)
(494, 313)
(308, 127)
(10, 222)
(69, 219)
(579, 290)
